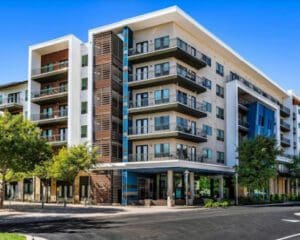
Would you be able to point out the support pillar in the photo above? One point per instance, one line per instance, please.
(221, 187)
(192, 188)
(288, 186)
(212, 187)
(170, 200)
(157, 185)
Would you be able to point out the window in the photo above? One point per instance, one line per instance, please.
(207, 153)
(220, 69)
(220, 113)
(298, 125)
(162, 69)
(83, 107)
(63, 110)
(84, 60)
(220, 91)
(182, 151)
(141, 99)
(207, 83)
(220, 157)
(220, 135)
(162, 123)
(1, 99)
(206, 59)
(142, 153)
(28, 186)
(162, 96)
(46, 113)
(162, 42)
(84, 131)
(141, 73)
(84, 83)
(207, 129)
(299, 111)
(261, 120)
(142, 47)
(63, 87)
(142, 126)
(63, 133)
(26, 95)
(13, 97)
(47, 134)
(162, 150)
(207, 106)
(181, 97)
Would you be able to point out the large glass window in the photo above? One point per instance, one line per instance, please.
(142, 126)
(220, 135)
(141, 99)
(84, 83)
(162, 96)
(182, 97)
(162, 69)
(141, 73)
(142, 153)
(182, 124)
(220, 113)
(182, 151)
(162, 42)
(84, 60)
(83, 131)
(207, 129)
(219, 69)
(220, 91)
(207, 153)
(142, 47)
(14, 97)
(83, 107)
(162, 150)
(162, 123)
(220, 157)
(207, 106)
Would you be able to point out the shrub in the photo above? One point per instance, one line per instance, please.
(214, 204)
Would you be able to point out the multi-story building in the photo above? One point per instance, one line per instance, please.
(166, 103)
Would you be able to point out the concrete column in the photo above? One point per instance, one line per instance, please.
(170, 201)
(37, 193)
(76, 197)
(288, 186)
(21, 190)
(53, 190)
(297, 187)
(157, 185)
(192, 188)
(271, 186)
(276, 185)
(221, 187)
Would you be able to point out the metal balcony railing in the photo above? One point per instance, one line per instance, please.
(172, 127)
(11, 101)
(50, 115)
(172, 71)
(171, 156)
(55, 138)
(50, 91)
(285, 140)
(244, 123)
(186, 101)
(172, 43)
(285, 124)
(50, 68)
(285, 110)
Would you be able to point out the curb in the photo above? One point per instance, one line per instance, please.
(29, 237)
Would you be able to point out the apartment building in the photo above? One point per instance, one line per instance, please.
(165, 102)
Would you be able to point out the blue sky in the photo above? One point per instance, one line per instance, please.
(266, 32)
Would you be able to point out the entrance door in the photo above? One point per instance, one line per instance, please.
(145, 188)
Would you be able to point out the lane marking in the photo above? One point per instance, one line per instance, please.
(291, 220)
(290, 236)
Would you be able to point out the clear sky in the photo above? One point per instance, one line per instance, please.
(265, 32)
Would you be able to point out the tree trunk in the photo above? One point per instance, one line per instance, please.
(2, 189)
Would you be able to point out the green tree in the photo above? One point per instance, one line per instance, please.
(294, 167)
(21, 147)
(257, 162)
(70, 161)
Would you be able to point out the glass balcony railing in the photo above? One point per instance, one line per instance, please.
(55, 138)
(50, 68)
(50, 91)
(6, 102)
(285, 141)
(184, 156)
(244, 123)
(50, 115)
(285, 125)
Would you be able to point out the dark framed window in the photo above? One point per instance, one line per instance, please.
(220, 157)
(219, 69)
(220, 91)
(220, 113)
(162, 123)
(162, 150)
(84, 60)
(207, 106)
(83, 131)
(142, 47)
(220, 135)
(207, 129)
(162, 69)
(84, 108)
(207, 83)
(162, 42)
(84, 83)
(162, 96)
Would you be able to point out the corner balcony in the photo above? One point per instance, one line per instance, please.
(285, 127)
(50, 71)
(173, 75)
(11, 104)
(50, 118)
(167, 131)
(243, 126)
(50, 95)
(285, 142)
(284, 111)
(56, 140)
(172, 103)
(175, 48)
(243, 107)
(171, 156)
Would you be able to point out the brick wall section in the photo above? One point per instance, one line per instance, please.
(55, 57)
(101, 188)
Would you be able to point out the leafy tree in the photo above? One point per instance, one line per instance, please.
(257, 162)
(21, 147)
(294, 166)
(70, 161)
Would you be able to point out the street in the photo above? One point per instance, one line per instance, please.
(276, 222)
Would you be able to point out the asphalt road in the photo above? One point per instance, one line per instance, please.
(233, 223)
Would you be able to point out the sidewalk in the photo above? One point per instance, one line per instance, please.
(22, 212)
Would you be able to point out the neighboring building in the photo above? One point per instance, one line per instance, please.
(165, 102)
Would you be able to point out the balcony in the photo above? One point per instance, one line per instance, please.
(167, 131)
(173, 75)
(285, 142)
(172, 103)
(284, 111)
(175, 48)
(11, 104)
(243, 107)
(56, 140)
(50, 118)
(50, 95)
(243, 125)
(50, 71)
(285, 127)
(171, 156)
